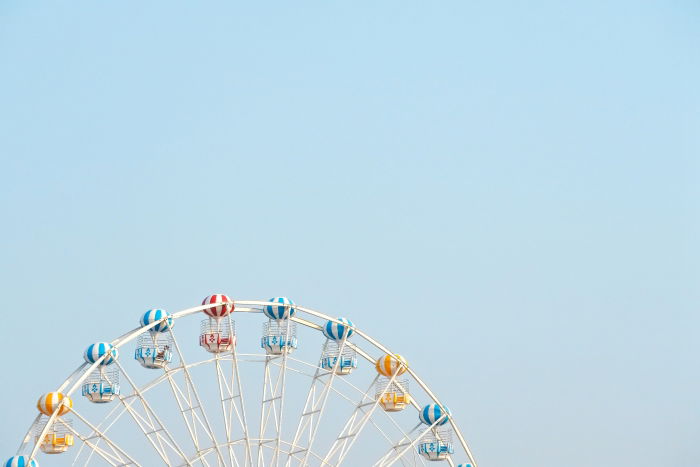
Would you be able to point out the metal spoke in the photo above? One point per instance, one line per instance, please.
(315, 406)
(96, 449)
(102, 436)
(151, 421)
(405, 441)
(405, 444)
(350, 429)
(241, 413)
(365, 398)
(354, 430)
(195, 410)
(226, 416)
(273, 400)
(232, 395)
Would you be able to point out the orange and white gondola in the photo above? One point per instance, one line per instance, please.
(392, 393)
(54, 401)
(57, 439)
(393, 396)
(391, 365)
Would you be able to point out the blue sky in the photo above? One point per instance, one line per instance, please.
(506, 193)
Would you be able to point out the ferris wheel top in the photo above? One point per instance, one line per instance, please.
(281, 311)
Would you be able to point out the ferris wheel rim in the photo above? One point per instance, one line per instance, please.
(87, 368)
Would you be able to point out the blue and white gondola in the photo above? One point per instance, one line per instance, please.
(20, 461)
(154, 351)
(279, 344)
(338, 331)
(102, 386)
(283, 308)
(164, 319)
(95, 351)
(102, 389)
(431, 413)
(342, 365)
(435, 449)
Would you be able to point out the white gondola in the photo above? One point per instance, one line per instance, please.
(102, 386)
(332, 356)
(393, 396)
(217, 336)
(57, 439)
(154, 350)
(436, 445)
(279, 337)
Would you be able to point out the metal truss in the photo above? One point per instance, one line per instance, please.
(191, 409)
(232, 403)
(313, 408)
(272, 405)
(237, 449)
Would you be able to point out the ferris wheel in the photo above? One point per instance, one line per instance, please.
(309, 390)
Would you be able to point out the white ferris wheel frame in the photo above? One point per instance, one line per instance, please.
(340, 448)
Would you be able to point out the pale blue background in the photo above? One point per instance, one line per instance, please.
(505, 192)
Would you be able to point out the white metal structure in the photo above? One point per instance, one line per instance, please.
(208, 412)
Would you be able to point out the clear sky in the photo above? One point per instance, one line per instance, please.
(504, 192)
